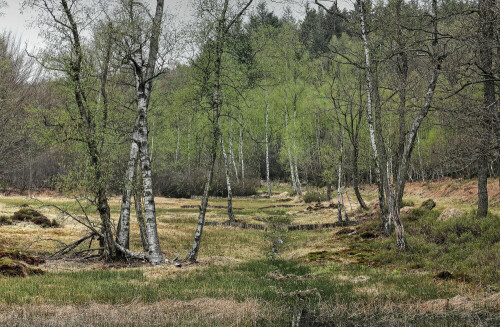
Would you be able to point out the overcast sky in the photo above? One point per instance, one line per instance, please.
(19, 23)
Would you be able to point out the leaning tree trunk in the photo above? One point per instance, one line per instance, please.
(228, 181)
(123, 230)
(193, 253)
(369, 107)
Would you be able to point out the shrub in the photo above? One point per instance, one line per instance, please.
(313, 196)
(406, 203)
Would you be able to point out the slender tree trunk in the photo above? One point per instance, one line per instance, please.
(231, 154)
(123, 230)
(356, 177)
(193, 253)
(242, 161)
(228, 181)
(486, 14)
(339, 181)
(297, 179)
(420, 162)
(178, 144)
(268, 179)
(292, 171)
(189, 149)
(369, 89)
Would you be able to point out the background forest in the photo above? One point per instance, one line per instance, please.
(307, 77)
(336, 167)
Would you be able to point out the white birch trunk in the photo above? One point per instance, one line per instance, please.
(123, 230)
(268, 180)
(297, 179)
(228, 181)
(242, 161)
(155, 254)
(231, 154)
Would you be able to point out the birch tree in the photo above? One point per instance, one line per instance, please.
(218, 31)
(394, 190)
(144, 72)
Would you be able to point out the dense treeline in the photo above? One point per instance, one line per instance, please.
(385, 93)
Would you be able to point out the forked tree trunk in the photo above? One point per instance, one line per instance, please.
(140, 146)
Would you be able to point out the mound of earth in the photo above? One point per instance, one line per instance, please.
(27, 214)
(17, 264)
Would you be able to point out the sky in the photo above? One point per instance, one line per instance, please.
(20, 23)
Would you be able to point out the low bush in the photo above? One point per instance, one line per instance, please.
(406, 203)
(460, 245)
(313, 196)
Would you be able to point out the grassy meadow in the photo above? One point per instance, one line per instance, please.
(344, 276)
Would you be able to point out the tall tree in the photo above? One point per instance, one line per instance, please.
(221, 26)
(144, 72)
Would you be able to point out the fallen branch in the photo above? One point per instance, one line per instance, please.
(319, 226)
(236, 224)
(71, 246)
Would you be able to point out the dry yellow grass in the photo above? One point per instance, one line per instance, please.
(202, 311)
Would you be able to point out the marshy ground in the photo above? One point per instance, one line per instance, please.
(342, 276)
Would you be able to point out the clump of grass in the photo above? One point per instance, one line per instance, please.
(460, 245)
(407, 203)
(313, 196)
(4, 220)
(27, 214)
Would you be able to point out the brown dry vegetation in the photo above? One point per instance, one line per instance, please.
(364, 288)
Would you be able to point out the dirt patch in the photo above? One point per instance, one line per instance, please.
(355, 280)
(450, 213)
(162, 271)
(275, 275)
(460, 303)
(465, 190)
